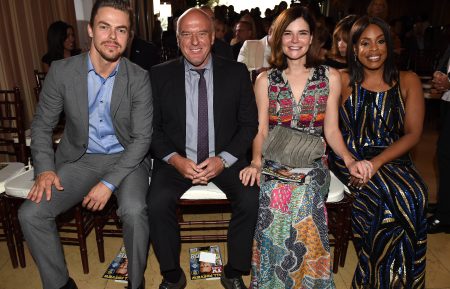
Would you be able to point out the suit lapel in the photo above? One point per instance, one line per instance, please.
(120, 85)
(81, 92)
(178, 88)
(219, 88)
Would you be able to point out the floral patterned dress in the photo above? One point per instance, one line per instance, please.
(291, 247)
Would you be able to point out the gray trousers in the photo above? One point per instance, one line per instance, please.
(77, 178)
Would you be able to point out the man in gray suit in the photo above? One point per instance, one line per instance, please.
(108, 107)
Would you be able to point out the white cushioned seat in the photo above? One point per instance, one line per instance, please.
(212, 192)
(20, 185)
(8, 172)
(208, 192)
(337, 189)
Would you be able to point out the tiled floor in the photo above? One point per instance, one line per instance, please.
(438, 254)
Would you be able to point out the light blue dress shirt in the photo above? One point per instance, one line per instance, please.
(102, 137)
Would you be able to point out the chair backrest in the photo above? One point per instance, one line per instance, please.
(39, 76)
(12, 125)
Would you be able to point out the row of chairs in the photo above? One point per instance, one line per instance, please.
(78, 223)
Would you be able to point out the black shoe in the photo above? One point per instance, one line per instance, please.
(142, 286)
(232, 283)
(70, 284)
(179, 285)
(435, 226)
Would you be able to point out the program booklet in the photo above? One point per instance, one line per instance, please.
(205, 262)
(276, 170)
(118, 270)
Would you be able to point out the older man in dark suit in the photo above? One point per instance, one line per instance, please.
(204, 122)
(108, 107)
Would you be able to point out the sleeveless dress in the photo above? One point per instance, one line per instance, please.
(291, 247)
(388, 216)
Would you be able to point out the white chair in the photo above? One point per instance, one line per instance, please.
(212, 200)
(8, 171)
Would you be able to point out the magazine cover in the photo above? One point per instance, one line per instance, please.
(118, 270)
(283, 172)
(205, 262)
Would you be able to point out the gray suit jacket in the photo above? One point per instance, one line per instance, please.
(65, 89)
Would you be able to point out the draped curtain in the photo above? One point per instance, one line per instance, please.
(23, 26)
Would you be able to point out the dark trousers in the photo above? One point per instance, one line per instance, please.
(443, 154)
(166, 188)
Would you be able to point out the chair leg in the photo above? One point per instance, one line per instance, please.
(337, 252)
(17, 231)
(7, 228)
(347, 234)
(99, 224)
(81, 238)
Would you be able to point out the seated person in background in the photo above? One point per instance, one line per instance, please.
(255, 55)
(337, 56)
(108, 106)
(220, 47)
(221, 29)
(323, 42)
(205, 121)
(144, 53)
(242, 31)
(60, 43)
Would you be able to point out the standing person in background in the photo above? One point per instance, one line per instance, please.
(205, 121)
(440, 221)
(60, 43)
(291, 247)
(108, 106)
(337, 56)
(381, 119)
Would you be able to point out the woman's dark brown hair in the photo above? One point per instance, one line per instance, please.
(277, 57)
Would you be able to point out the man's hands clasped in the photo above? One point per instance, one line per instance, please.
(200, 174)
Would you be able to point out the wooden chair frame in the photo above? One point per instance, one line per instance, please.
(12, 125)
(7, 235)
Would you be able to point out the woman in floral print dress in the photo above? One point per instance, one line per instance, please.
(291, 248)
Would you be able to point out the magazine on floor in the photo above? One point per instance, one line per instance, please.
(118, 270)
(205, 262)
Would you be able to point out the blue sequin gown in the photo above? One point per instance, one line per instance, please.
(388, 216)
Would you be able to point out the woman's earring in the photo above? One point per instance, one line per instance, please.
(356, 58)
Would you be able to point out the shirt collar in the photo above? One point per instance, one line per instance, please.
(92, 68)
(188, 66)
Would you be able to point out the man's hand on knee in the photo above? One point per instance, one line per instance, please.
(44, 182)
(97, 197)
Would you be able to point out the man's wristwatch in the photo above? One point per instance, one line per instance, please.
(224, 162)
